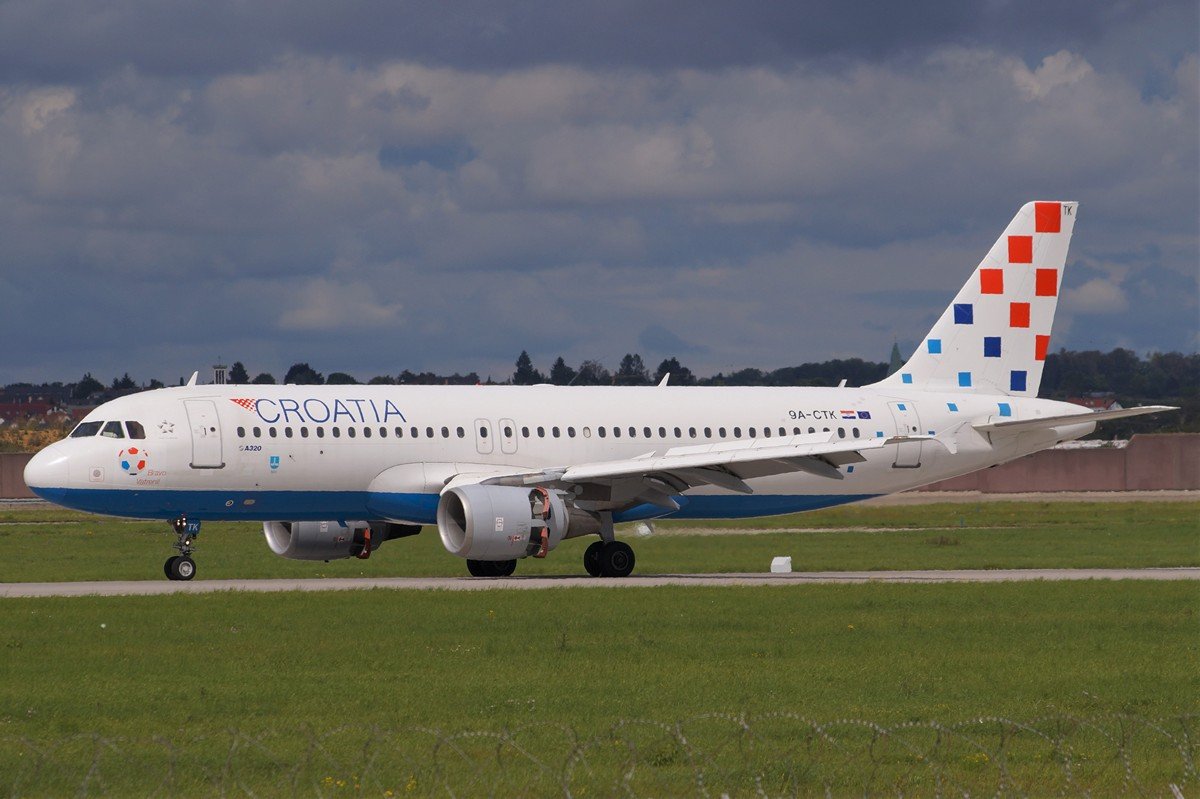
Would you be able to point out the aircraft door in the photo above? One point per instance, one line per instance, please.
(206, 434)
(508, 436)
(908, 456)
(483, 437)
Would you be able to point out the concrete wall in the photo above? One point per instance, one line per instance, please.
(1167, 462)
(1164, 462)
(12, 475)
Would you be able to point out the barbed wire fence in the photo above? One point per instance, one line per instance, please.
(715, 755)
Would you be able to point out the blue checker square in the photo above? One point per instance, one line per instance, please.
(991, 346)
(905, 378)
(935, 346)
(1005, 409)
(952, 406)
(964, 313)
(849, 470)
(964, 379)
(1018, 380)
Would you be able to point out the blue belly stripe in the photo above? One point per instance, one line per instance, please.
(416, 508)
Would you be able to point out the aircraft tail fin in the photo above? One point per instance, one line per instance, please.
(994, 336)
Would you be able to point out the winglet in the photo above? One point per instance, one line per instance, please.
(192, 380)
(663, 382)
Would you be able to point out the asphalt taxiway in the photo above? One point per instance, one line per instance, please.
(158, 587)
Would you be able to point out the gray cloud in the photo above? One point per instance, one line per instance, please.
(305, 189)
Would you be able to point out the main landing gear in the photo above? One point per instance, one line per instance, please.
(491, 568)
(181, 566)
(608, 557)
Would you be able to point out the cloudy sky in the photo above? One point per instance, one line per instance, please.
(377, 185)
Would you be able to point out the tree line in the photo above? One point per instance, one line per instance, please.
(1124, 376)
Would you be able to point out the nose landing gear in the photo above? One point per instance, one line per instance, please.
(181, 566)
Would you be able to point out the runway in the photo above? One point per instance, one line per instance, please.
(158, 587)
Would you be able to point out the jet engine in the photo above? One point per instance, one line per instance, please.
(331, 540)
(497, 523)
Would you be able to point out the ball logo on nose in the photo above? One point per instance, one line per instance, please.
(133, 460)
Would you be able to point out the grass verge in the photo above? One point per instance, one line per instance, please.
(52, 545)
(505, 691)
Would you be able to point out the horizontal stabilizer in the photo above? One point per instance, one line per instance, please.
(1043, 422)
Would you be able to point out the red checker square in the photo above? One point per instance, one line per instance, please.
(1047, 283)
(1018, 314)
(1041, 345)
(991, 281)
(1047, 217)
(1020, 249)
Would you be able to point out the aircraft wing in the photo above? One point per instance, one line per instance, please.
(1042, 422)
(655, 476)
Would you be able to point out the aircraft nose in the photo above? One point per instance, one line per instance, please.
(47, 469)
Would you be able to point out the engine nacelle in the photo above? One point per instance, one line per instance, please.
(331, 540)
(483, 522)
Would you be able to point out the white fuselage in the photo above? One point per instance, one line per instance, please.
(386, 452)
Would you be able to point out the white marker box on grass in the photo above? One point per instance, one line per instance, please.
(781, 565)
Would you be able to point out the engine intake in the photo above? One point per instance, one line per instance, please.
(484, 522)
(331, 540)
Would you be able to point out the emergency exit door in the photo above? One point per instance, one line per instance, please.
(908, 455)
(206, 434)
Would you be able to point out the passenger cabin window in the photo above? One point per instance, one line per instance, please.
(616, 432)
(662, 432)
(274, 432)
(287, 431)
(600, 431)
(483, 431)
(135, 429)
(351, 432)
(646, 432)
(366, 432)
(554, 431)
(112, 430)
(678, 433)
(415, 432)
(460, 432)
(320, 432)
(541, 431)
(241, 432)
(429, 432)
(524, 432)
(86, 429)
(570, 432)
(399, 432)
(737, 432)
(258, 432)
(446, 432)
(721, 432)
(337, 432)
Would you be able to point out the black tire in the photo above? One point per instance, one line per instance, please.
(184, 568)
(592, 558)
(169, 567)
(491, 568)
(617, 559)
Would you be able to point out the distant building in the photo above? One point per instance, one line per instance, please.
(1097, 401)
(219, 372)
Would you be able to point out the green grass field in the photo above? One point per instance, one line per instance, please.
(289, 668)
(76, 546)
(1021, 688)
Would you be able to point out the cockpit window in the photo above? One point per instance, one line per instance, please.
(135, 429)
(86, 429)
(112, 430)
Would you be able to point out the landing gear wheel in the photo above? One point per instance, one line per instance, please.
(592, 558)
(491, 568)
(616, 559)
(183, 568)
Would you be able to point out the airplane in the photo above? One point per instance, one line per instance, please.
(509, 472)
